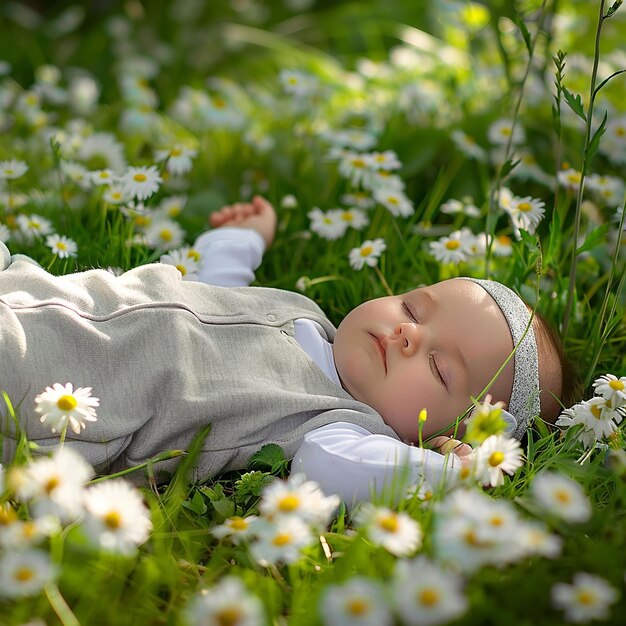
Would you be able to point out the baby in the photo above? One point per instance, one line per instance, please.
(167, 357)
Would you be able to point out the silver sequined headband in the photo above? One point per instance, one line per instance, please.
(524, 403)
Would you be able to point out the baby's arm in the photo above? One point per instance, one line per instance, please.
(234, 249)
(348, 460)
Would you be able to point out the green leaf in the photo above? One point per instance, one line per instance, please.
(508, 166)
(554, 243)
(575, 103)
(616, 5)
(595, 142)
(197, 504)
(267, 458)
(225, 508)
(596, 236)
(525, 34)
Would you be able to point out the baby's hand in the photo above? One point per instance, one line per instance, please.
(446, 444)
(258, 215)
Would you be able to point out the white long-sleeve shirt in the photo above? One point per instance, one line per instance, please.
(345, 459)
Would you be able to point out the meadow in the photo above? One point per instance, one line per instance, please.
(402, 143)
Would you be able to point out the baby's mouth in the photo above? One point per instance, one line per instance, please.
(383, 352)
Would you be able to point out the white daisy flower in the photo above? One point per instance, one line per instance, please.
(78, 174)
(501, 132)
(505, 198)
(570, 179)
(12, 169)
(184, 263)
(62, 405)
(535, 540)
(367, 253)
(34, 226)
(102, 151)
(164, 235)
(300, 498)
(359, 601)
(387, 160)
(235, 527)
(613, 144)
(300, 84)
(352, 139)
(468, 146)
(115, 194)
(5, 233)
(397, 532)
(327, 225)
(141, 182)
(609, 190)
(598, 417)
(561, 496)
(62, 246)
(587, 598)
(54, 485)
(102, 177)
(455, 248)
(383, 180)
(227, 603)
(526, 212)
(495, 456)
(172, 206)
(179, 159)
(289, 201)
(425, 594)
(355, 218)
(117, 520)
(528, 169)
(358, 199)
(281, 540)
(612, 389)
(395, 201)
(25, 574)
(502, 246)
(354, 166)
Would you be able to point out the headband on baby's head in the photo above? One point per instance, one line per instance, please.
(524, 403)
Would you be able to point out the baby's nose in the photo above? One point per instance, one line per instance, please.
(409, 335)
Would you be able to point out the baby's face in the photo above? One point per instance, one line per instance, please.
(431, 348)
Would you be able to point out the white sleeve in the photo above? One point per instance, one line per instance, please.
(229, 256)
(348, 460)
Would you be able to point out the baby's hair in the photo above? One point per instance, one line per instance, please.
(558, 375)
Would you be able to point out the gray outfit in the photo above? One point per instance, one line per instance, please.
(165, 357)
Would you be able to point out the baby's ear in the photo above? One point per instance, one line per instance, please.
(511, 423)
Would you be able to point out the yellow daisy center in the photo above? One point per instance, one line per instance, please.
(67, 403)
(496, 520)
(219, 103)
(166, 234)
(104, 175)
(289, 503)
(29, 529)
(366, 251)
(452, 244)
(24, 574)
(140, 178)
(116, 195)
(8, 172)
(229, 616)
(282, 539)
(596, 411)
(112, 520)
(392, 200)
(616, 385)
(61, 246)
(181, 268)
(585, 597)
(292, 80)
(428, 597)
(389, 523)
(346, 216)
(176, 152)
(357, 606)
(574, 178)
(358, 162)
(620, 131)
(525, 207)
(496, 458)
(238, 523)
(504, 240)
(562, 496)
(51, 484)
(193, 254)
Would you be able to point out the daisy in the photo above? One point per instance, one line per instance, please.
(227, 603)
(455, 248)
(102, 177)
(78, 174)
(141, 182)
(526, 212)
(359, 601)
(612, 389)
(398, 533)
(178, 159)
(485, 420)
(34, 226)
(164, 235)
(62, 246)
(381, 179)
(300, 498)
(358, 199)
(505, 198)
(468, 146)
(280, 541)
(184, 263)
(5, 233)
(561, 496)
(501, 132)
(587, 598)
(367, 253)
(354, 166)
(54, 485)
(570, 179)
(355, 218)
(25, 574)
(327, 225)
(289, 201)
(102, 151)
(236, 528)
(425, 594)
(299, 84)
(62, 405)
(117, 520)
(598, 417)
(352, 139)
(495, 456)
(535, 540)
(12, 169)
(395, 201)
(502, 246)
(115, 194)
(387, 160)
